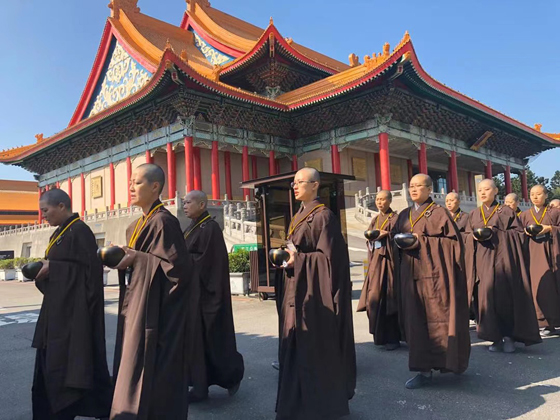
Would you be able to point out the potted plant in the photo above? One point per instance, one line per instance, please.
(7, 270)
(20, 262)
(239, 276)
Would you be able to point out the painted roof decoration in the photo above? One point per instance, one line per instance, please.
(223, 55)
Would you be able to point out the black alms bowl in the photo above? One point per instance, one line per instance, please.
(483, 234)
(372, 235)
(534, 230)
(405, 240)
(31, 270)
(111, 256)
(278, 256)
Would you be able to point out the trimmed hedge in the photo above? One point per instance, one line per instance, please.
(239, 261)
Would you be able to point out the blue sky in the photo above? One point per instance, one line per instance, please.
(505, 54)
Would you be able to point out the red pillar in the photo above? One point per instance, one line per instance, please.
(423, 159)
(57, 184)
(377, 170)
(196, 168)
(469, 182)
(215, 171)
(294, 163)
(453, 175)
(255, 167)
(488, 169)
(335, 158)
(112, 185)
(40, 215)
(384, 163)
(507, 176)
(83, 188)
(189, 164)
(277, 166)
(271, 163)
(171, 172)
(149, 158)
(245, 168)
(409, 166)
(69, 182)
(227, 164)
(128, 177)
(524, 190)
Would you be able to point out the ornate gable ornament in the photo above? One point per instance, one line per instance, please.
(202, 3)
(129, 6)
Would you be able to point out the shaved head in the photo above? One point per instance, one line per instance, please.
(55, 197)
(310, 174)
(422, 179)
(539, 187)
(555, 203)
(452, 195)
(153, 174)
(198, 196)
(386, 194)
(513, 197)
(452, 202)
(489, 182)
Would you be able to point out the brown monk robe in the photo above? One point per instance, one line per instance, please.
(151, 353)
(317, 356)
(379, 294)
(218, 362)
(505, 306)
(433, 287)
(543, 259)
(71, 375)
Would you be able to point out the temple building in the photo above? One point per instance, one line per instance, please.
(19, 203)
(216, 101)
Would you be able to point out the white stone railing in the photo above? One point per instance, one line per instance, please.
(240, 220)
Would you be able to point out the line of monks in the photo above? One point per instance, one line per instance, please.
(510, 279)
(175, 332)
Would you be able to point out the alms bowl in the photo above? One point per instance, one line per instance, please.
(405, 240)
(483, 234)
(534, 230)
(111, 256)
(278, 256)
(31, 270)
(372, 235)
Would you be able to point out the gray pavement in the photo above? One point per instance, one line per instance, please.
(496, 386)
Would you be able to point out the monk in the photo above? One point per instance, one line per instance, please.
(512, 201)
(555, 204)
(544, 256)
(453, 204)
(218, 363)
(71, 374)
(317, 357)
(379, 294)
(506, 313)
(152, 352)
(435, 311)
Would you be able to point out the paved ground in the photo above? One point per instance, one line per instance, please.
(496, 386)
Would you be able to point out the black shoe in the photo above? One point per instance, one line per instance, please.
(392, 346)
(276, 365)
(233, 390)
(418, 381)
(548, 331)
(196, 398)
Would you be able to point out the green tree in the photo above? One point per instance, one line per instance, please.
(555, 185)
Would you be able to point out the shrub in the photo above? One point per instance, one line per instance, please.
(6, 264)
(20, 262)
(239, 261)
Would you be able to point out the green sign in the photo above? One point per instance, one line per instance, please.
(247, 247)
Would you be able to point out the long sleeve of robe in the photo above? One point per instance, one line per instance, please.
(152, 354)
(217, 362)
(433, 287)
(543, 256)
(380, 295)
(505, 303)
(71, 368)
(317, 355)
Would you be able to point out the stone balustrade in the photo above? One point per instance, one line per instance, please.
(240, 221)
